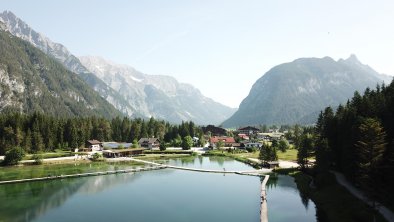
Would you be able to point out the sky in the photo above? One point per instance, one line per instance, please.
(222, 47)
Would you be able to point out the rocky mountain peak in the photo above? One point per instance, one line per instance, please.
(295, 92)
(353, 60)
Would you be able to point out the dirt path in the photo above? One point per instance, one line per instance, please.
(282, 163)
(386, 213)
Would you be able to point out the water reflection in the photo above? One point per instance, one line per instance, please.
(286, 202)
(174, 195)
(27, 201)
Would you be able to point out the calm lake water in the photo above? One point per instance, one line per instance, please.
(161, 195)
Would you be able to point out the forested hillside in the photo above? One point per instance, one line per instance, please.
(30, 81)
(295, 92)
(38, 132)
(358, 140)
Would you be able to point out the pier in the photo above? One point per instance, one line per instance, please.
(247, 173)
(82, 175)
(263, 200)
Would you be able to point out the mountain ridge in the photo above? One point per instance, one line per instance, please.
(157, 95)
(31, 81)
(22, 30)
(289, 92)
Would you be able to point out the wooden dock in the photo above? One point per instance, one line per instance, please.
(263, 201)
(247, 173)
(82, 175)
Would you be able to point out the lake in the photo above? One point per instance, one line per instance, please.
(160, 195)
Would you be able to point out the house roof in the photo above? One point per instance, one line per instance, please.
(115, 145)
(94, 142)
(272, 135)
(243, 136)
(123, 150)
(148, 140)
(225, 139)
(249, 128)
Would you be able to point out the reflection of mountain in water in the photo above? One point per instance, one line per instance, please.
(28, 201)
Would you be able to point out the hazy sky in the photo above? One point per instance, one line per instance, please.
(221, 47)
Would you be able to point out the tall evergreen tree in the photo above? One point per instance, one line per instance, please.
(371, 147)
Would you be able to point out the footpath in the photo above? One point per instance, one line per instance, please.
(386, 213)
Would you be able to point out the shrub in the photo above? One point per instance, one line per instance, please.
(251, 149)
(37, 158)
(97, 157)
(13, 156)
(163, 146)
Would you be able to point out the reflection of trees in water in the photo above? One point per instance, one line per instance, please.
(28, 201)
(284, 181)
(219, 159)
(303, 192)
(187, 160)
(200, 159)
(272, 181)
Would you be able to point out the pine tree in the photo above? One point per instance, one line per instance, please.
(371, 147)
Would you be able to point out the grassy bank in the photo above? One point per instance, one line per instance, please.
(333, 201)
(289, 155)
(242, 157)
(49, 155)
(168, 152)
(33, 171)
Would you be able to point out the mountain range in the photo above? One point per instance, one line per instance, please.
(53, 80)
(159, 96)
(30, 81)
(295, 92)
(154, 96)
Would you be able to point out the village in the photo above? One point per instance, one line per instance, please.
(247, 139)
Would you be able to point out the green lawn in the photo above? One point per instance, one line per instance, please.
(50, 155)
(289, 155)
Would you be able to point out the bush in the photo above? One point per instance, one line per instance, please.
(187, 143)
(13, 156)
(163, 146)
(37, 158)
(135, 144)
(251, 149)
(97, 157)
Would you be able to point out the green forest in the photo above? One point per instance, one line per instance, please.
(358, 140)
(42, 133)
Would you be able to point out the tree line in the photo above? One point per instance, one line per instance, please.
(358, 140)
(38, 132)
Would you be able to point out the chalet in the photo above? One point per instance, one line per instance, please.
(93, 145)
(249, 130)
(149, 143)
(227, 141)
(215, 131)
